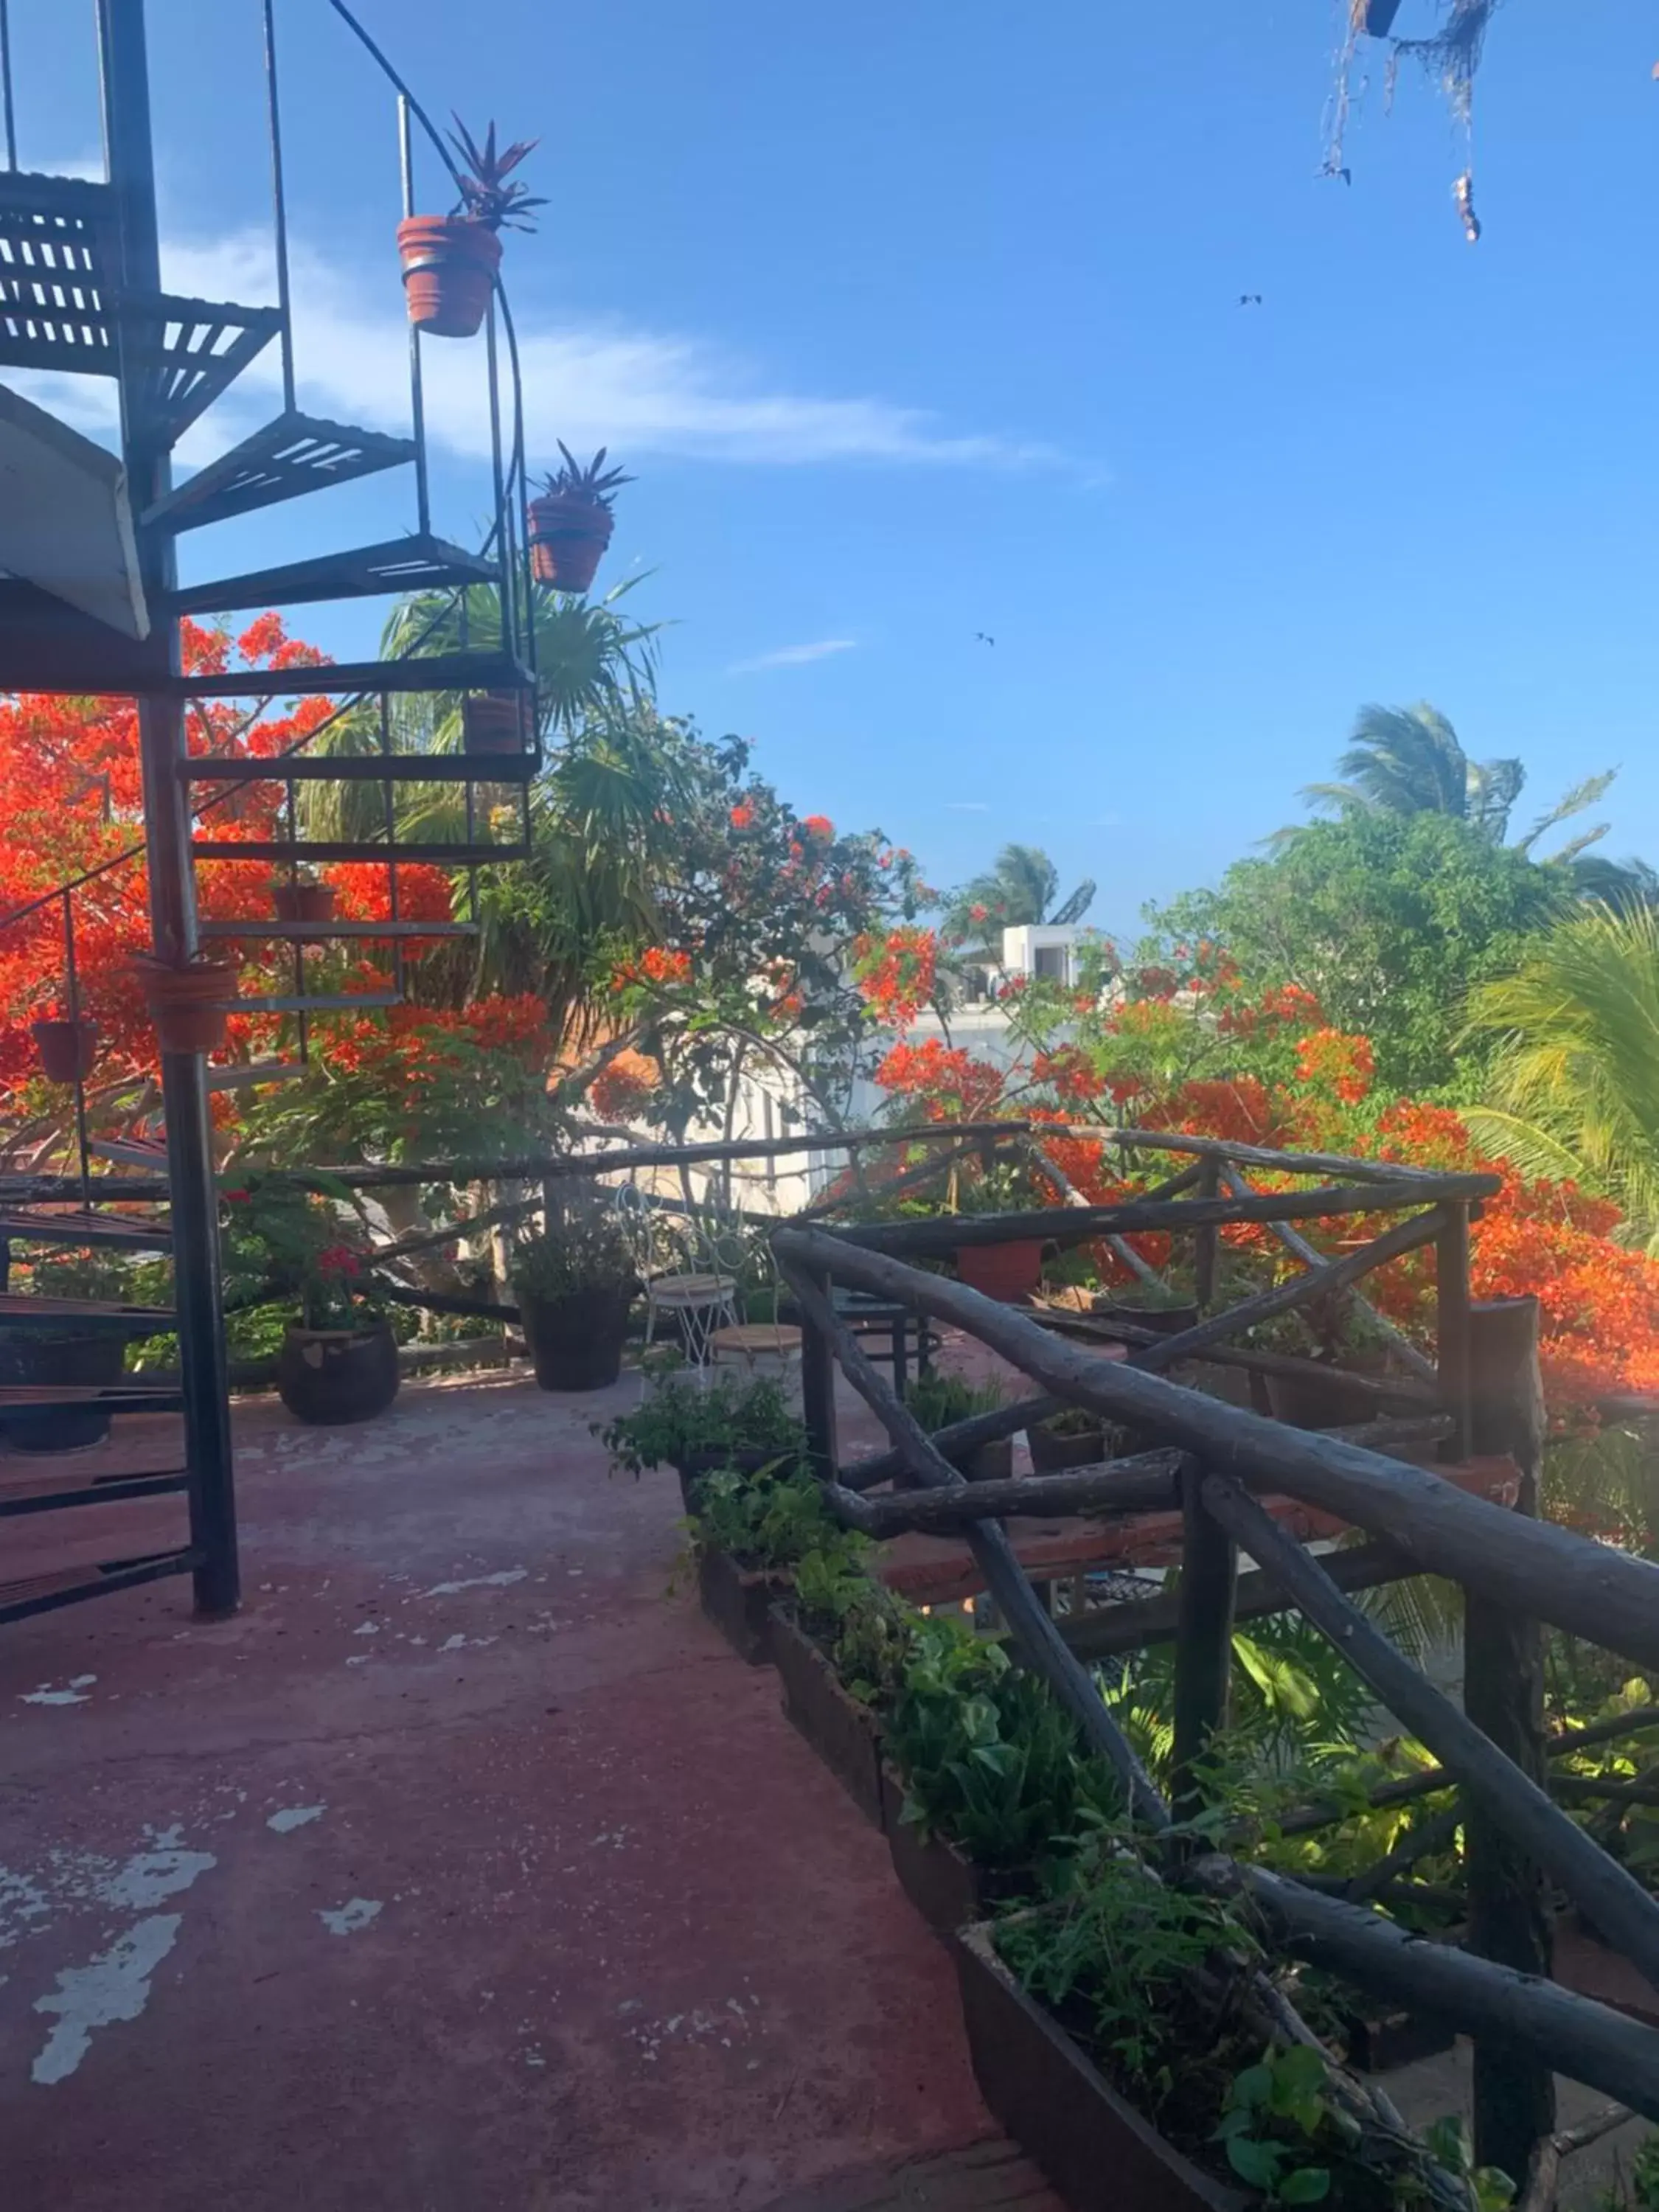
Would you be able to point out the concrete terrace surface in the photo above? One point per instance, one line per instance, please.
(465, 1868)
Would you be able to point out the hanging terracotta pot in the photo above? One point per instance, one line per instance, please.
(492, 722)
(67, 1048)
(188, 1004)
(567, 538)
(303, 902)
(449, 271)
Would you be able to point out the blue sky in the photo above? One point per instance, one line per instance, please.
(918, 321)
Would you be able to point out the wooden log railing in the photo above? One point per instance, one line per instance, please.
(1515, 1569)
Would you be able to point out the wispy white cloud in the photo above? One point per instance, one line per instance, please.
(967, 805)
(794, 656)
(596, 383)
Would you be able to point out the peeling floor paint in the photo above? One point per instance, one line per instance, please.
(294, 1816)
(113, 1986)
(501, 1581)
(350, 1917)
(74, 1694)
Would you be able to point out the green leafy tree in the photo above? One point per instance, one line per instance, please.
(1022, 888)
(1390, 919)
(1574, 1089)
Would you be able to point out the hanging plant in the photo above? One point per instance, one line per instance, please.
(570, 524)
(492, 722)
(450, 260)
(1450, 54)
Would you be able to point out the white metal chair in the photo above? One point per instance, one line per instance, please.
(700, 1293)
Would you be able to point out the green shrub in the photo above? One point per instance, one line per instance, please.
(680, 1419)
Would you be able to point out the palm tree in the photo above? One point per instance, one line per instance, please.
(1575, 1088)
(1017, 890)
(1409, 760)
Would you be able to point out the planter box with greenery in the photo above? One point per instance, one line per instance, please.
(1062, 2113)
(845, 1733)
(938, 1401)
(697, 1427)
(1073, 1438)
(574, 1283)
(749, 1531)
(738, 1601)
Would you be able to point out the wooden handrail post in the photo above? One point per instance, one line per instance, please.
(1504, 1696)
(1206, 1242)
(1203, 1639)
(818, 1394)
(1452, 1325)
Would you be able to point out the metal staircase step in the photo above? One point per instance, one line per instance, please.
(443, 852)
(319, 932)
(364, 768)
(130, 1152)
(430, 672)
(254, 1071)
(22, 1309)
(185, 353)
(68, 1585)
(296, 454)
(59, 267)
(327, 1002)
(34, 1490)
(113, 1229)
(419, 563)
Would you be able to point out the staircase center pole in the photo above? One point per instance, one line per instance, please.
(194, 1199)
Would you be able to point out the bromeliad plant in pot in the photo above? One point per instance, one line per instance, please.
(68, 1046)
(303, 896)
(575, 1282)
(188, 1000)
(571, 521)
(450, 260)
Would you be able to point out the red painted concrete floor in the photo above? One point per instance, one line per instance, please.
(466, 1869)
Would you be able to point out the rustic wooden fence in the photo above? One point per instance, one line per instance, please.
(1213, 1462)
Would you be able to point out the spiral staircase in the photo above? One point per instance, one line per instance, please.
(91, 601)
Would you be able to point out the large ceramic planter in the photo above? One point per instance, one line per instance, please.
(845, 1735)
(303, 902)
(1051, 1454)
(1312, 1401)
(739, 1600)
(328, 1376)
(449, 272)
(1090, 2144)
(66, 1049)
(567, 538)
(576, 1342)
(188, 1004)
(45, 1362)
(1006, 1273)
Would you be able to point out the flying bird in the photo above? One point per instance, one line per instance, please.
(983, 638)
(1249, 299)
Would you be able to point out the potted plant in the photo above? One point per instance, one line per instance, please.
(492, 722)
(1071, 1438)
(67, 1048)
(571, 522)
(940, 1400)
(696, 1428)
(303, 897)
(1009, 1272)
(450, 260)
(749, 1531)
(1332, 1334)
(78, 1355)
(574, 1283)
(188, 1000)
(339, 1360)
(1152, 1306)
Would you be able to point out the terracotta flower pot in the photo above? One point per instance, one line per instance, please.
(67, 1048)
(1004, 1272)
(188, 1005)
(491, 722)
(449, 271)
(567, 539)
(303, 902)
